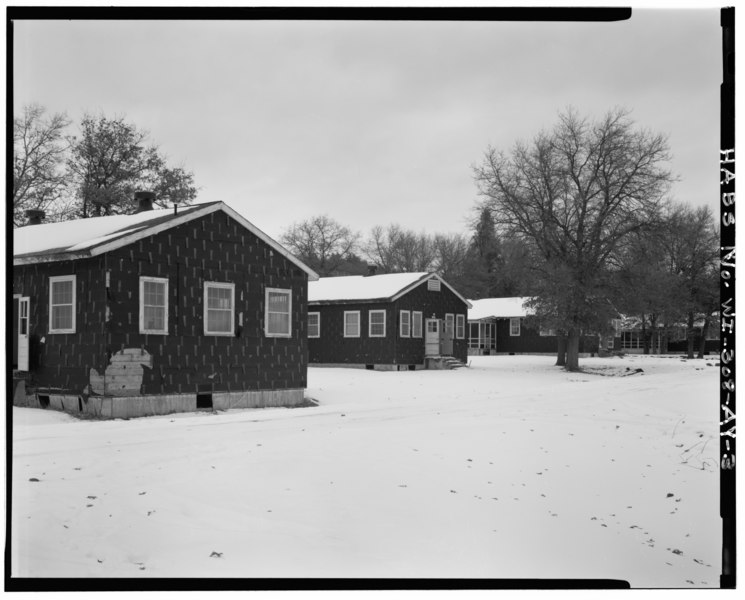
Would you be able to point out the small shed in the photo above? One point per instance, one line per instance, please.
(156, 312)
(504, 326)
(401, 321)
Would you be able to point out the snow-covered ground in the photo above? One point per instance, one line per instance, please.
(510, 468)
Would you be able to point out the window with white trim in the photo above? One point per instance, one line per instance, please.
(514, 327)
(219, 308)
(62, 304)
(351, 323)
(154, 305)
(460, 326)
(546, 332)
(405, 324)
(277, 312)
(449, 325)
(314, 324)
(376, 325)
(416, 324)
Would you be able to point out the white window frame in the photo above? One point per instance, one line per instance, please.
(163, 280)
(414, 315)
(359, 323)
(514, 320)
(287, 293)
(460, 327)
(450, 324)
(318, 324)
(547, 332)
(226, 286)
(60, 279)
(370, 323)
(407, 332)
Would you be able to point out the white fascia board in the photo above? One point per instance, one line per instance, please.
(410, 287)
(125, 240)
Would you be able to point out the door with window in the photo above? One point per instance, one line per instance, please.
(432, 337)
(24, 305)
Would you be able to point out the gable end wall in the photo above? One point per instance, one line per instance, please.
(212, 248)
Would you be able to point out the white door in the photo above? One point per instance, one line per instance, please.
(432, 337)
(23, 327)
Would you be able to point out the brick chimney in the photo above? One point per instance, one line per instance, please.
(144, 201)
(371, 270)
(35, 216)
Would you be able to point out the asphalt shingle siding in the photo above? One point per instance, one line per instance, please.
(212, 248)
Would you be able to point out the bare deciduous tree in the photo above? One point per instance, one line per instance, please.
(112, 159)
(573, 195)
(39, 149)
(322, 243)
(396, 250)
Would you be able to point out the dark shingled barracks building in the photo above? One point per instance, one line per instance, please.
(501, 326)
(156, 312)
(400, 321)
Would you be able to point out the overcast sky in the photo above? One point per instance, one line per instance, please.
(375, 122)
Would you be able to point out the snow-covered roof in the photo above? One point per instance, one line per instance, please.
(499, 308)
(82, 238)
(371, 287)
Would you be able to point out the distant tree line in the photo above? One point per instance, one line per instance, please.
(478, 265)
(92, 172)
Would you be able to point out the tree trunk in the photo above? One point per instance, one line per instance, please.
(572, 362)
(704, 332)
(654, 344)
(561, 354)
(645, 339)
(690, 335)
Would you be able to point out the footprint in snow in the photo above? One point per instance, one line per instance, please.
(34, 479)
(91, 497)
(216, 555)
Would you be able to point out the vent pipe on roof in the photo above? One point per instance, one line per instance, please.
(144, 201)
(371, 270)
(35, 216)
